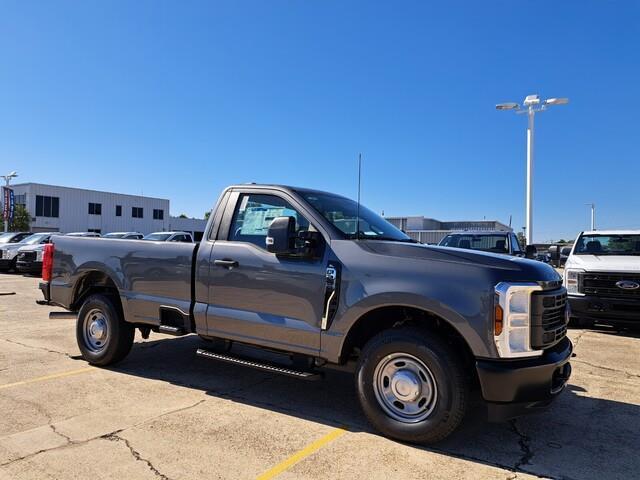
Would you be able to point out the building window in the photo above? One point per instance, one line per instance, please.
(118, 210)
(47, 206)
(95, 209)
(137, 212)
(158, 214)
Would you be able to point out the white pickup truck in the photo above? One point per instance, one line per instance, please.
(602, 277)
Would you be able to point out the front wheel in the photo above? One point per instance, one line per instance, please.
(411, 385)
(103, 336)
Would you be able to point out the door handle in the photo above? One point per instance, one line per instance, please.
(226, 263)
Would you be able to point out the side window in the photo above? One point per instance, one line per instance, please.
(253, 216)
(515, 245)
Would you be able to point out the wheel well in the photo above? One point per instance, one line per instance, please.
(385, 318)
(92, 282)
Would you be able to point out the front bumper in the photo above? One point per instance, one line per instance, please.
(6, 263)
(606, 310)
(29, 266)
(513, 388)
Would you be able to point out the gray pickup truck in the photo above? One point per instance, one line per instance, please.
(326, 282)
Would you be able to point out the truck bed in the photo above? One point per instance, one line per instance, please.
(147, 274)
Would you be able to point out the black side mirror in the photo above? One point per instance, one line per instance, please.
(281, 236)
(530, 251)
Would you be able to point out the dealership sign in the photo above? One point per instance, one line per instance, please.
(8, 201)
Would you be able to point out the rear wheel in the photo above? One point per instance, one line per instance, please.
(103, 336)
(411, 385)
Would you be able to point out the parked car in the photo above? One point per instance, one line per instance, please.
(124, 235)
(297, 271)
(12, 237)
(169, 237)
(495, 241)
(9, 244)
(83, 234)
(602, 276)
(28, 254)
(564, 255)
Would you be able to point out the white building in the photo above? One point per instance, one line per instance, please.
(65, 209)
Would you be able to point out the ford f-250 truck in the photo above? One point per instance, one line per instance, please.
(602, 275)
(299, 272)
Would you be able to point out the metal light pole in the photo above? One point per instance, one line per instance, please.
(532, 105)
(7, 180)
(593, 215)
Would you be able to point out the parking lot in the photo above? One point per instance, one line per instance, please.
(164, 413)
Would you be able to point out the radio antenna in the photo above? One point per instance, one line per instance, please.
(358, 207)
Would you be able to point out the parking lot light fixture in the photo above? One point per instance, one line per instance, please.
(7, 181)
(531, 105)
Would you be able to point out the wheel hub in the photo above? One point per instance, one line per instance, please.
(405, 388)
(405, 385)
(98, 329)
(95, 330)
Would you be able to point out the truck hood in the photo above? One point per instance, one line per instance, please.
(11, 246)
(605, 263)
(511, 268)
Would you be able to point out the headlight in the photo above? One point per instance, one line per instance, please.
(571, 281)
(512, 319)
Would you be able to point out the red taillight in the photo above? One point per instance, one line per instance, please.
(47, 262)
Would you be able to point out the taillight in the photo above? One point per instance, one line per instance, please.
(47, 262)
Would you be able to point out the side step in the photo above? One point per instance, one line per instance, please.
(170, 330)
(267, 367)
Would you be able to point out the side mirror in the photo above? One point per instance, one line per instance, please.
(281, 236)
(530, 251)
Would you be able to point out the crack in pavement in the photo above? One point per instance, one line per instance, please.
(523, 442)
(114, 437)
(610, 369)
(577, 340)
(44, 349)
(72, 443)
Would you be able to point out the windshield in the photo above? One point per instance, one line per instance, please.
(35, 238)
(485, 243)
(114, 235)
(6, 237)
(342, 213)
(608, 245)
(157, 236)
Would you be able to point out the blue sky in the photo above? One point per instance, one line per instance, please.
(179, 99)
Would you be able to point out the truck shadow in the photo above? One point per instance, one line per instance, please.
(579, 437)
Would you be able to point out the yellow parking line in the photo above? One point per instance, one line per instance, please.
(305, 452)
(47, 377)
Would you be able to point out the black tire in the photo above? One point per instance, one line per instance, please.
(449, 404)
(101, 310)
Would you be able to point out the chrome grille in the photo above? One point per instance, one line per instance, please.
(604, 284)
(548, 318)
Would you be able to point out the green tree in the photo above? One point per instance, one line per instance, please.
(207, 214)
(21, 220)
(183, 215)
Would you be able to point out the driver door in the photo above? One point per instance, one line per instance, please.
(256, 296)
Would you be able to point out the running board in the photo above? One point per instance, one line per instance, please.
(169, 330)
(62, 315)
(266, 367)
